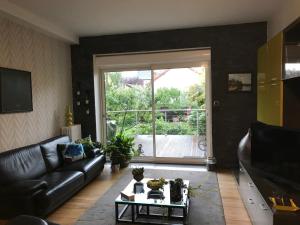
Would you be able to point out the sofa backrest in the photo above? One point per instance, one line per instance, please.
(21, 164)
(274, 144)
(52, 157)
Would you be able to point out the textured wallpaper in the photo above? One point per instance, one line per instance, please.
(48, 60)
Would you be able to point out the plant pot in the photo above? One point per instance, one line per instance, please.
(115, 168)
(155, 194)
(116, 157)
(124, 164)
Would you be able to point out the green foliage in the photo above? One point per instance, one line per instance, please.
(121, 143)
(88, 144)
(156, 184)
(122, 96)
(137, 171)
(196, 95)
(201, 122)
(170, 98)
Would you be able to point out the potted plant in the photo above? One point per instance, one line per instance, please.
(138, 173)
(120, 150)
(124, 145)
(89, 146)
(115, 156)
(155, 185)
(176, 189)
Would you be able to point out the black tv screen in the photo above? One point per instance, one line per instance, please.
(15, 91)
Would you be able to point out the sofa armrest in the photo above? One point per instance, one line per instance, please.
(25, 187)
(94, 153)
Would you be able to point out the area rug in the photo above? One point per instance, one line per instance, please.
(205, 206)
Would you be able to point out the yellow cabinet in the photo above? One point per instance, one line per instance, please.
(262, 65)
(269, 84)
(274, 57)
(261, 107)
(274, 103)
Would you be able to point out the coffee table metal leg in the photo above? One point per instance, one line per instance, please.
(117, 212)
(132, 213)
(184, 211)
(170, 211)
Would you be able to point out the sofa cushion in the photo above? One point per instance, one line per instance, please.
(50, 153)
(274, 144)
(21, 164)
(60, 184)
(73, 152)
(89, 166)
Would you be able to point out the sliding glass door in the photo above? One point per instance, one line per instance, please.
(128, 101)
(180, 124)
(163, 109)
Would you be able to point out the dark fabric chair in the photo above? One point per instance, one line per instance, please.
(29, 220)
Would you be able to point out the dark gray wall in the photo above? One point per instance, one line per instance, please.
(233, 49)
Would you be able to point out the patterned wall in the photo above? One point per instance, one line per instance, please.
(49, 62)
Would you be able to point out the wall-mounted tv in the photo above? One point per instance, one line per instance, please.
(15, 91)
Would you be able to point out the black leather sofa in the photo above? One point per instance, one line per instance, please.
(34, 180)
(29, 220)
(269, 159)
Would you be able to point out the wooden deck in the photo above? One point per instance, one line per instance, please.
(178, 146)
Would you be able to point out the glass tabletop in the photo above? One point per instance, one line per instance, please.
(142, 198)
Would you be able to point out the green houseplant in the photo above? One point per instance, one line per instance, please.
(120, 149)
(138, 173)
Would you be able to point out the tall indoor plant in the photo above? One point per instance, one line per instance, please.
(120, 147)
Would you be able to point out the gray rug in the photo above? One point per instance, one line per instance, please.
(205, 207)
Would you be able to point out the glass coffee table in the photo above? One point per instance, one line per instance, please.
(144, 210)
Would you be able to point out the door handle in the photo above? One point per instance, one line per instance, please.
(216, 103)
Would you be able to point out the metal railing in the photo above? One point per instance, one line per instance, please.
(164, 111)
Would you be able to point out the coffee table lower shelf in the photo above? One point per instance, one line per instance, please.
(139, 217)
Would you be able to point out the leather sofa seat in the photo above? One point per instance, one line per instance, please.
(88, 166)
(61, 185)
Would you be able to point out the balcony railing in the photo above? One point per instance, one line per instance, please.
(185, 130)
(169, 115)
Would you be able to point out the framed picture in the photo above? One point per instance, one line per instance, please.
(239, 82)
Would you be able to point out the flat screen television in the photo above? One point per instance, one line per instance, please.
(15, 91)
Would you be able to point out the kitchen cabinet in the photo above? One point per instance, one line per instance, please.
(269, 82)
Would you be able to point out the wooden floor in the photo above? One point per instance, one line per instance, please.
(68, 214)
(234, 209)
(178, 146)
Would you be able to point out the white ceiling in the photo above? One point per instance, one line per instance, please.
(100, 17)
